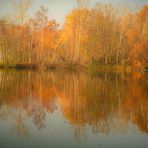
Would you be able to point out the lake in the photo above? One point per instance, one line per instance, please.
(66, 108)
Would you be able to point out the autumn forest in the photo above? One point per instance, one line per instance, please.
(103, 34)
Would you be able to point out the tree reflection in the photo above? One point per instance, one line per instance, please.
(106, 101)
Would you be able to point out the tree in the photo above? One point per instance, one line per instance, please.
(138, 39)
(21, 10)
(40, 22)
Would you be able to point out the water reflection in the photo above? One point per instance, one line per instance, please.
(105, 102)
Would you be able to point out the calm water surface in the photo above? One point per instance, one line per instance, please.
(68, 109)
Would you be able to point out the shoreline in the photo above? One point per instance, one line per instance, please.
(94, 67)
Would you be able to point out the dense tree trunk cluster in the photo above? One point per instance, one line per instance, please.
(100, 35)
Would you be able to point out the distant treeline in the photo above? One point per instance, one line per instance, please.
(100, 35)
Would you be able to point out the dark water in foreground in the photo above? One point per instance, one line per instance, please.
(67, 109)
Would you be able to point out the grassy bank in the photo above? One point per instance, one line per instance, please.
(18, 66)
(36, 66)
(92, 67)
(111, 68)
